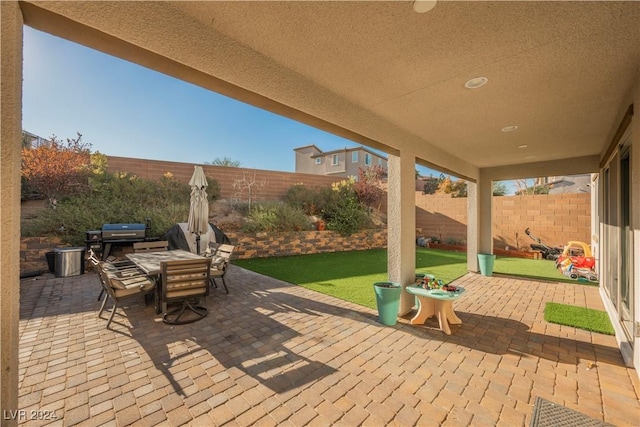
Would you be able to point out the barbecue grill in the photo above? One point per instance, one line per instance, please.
(115, 234)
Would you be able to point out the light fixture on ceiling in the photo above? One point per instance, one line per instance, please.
(476, 82)
(422, 6)
(509, 128)
(523, 146)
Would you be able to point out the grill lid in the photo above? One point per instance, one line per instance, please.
(123, 231)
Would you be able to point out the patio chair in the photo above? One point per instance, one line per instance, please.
(119, 286)
(220, 257)
(184, 282)
(157, 246)
(121, 267)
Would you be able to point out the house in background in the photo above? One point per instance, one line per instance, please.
(569, 184)
(31, 140)
(343, 162)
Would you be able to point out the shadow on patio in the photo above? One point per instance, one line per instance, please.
(271, 352)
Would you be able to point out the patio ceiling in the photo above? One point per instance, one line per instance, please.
(385, 76)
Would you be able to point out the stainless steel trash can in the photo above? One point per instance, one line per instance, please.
(69, 261)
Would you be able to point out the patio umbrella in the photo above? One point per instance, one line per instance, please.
(199, 210)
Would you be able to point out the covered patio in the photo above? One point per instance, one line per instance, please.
(486, 91)
(272, 353)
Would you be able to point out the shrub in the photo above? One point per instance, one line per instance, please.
(342, 210)
(213, 190)
(307, 199)
(369, 186)
(275, 217)
(119, 198)
(57, 168)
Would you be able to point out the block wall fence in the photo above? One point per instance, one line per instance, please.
(554, 218)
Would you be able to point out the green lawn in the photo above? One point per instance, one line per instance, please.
(350, 275)
(540, 269)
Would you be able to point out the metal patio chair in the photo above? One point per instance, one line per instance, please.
(220, 258)
(185, 282)
(120, 286)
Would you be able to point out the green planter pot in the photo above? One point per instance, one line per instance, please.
(486, 264)
(388, 301)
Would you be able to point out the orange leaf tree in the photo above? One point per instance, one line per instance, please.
(57, 168)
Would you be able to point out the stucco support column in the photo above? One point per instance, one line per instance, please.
(472, 227)
(480, 221)
(401, 225)
(10, 147)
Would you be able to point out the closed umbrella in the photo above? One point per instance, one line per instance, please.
(199, 210)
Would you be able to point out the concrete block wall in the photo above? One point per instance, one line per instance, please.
(261, 245)
(276, 183)
(441, 216)
(554, 218)
(32, 253)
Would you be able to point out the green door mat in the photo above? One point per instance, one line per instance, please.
(549, 414)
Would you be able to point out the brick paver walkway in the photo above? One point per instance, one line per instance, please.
(271, 353)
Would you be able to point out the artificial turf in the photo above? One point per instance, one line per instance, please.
(350, 275)
(578, 317)
(539, 269)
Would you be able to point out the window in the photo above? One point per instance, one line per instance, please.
(354, 157)
(318, 160)
(334, 160)
(367, 159)
(379, 162)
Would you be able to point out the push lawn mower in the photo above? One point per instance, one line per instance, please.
(548, 252)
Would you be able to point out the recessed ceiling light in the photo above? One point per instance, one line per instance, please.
(422, 6)
(529, 157)
(523, 146)
(476, 82)
(509, 128)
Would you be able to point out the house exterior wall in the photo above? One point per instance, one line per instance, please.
(610, 233)
(11, 22)
(305, 163)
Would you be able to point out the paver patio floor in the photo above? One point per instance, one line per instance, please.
(271, 353)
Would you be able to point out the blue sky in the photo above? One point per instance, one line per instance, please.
(124, 109)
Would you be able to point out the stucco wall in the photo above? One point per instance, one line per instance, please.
(10, 134)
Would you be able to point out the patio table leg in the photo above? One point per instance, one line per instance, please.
(443, 310)
(426, 309)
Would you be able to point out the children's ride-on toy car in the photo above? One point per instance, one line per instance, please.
(577, 262)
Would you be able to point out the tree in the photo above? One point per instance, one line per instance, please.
(224, 162)
(539, 186)
(248, 185)
(457, 188)
(431, 184)
(499, 188)
(57, 168)
(369, 186)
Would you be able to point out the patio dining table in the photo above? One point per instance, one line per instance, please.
(149, 262)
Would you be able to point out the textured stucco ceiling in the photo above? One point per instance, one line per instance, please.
(561, 71)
